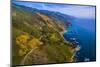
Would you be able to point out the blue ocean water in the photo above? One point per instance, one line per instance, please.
(83, 32)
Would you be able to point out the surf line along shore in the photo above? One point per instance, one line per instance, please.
(77, 48)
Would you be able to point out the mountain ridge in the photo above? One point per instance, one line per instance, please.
(32, 29)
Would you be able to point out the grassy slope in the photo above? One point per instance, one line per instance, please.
(53, 50)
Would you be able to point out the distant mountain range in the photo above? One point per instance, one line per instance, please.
(55, 15)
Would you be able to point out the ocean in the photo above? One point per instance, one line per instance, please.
(82, 33)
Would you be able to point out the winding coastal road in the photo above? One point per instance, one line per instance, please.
(23, 61)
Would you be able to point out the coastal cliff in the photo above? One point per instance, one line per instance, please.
(38, 37)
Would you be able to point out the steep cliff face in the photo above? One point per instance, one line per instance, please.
(37, 38)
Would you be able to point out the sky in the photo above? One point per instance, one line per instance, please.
(78, 11)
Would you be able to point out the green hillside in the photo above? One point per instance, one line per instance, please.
(37, 38)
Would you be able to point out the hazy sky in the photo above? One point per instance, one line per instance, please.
(73, 10)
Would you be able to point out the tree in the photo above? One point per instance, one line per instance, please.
(22, 43)
(23, 50)
(33, 43)
(22, 39)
